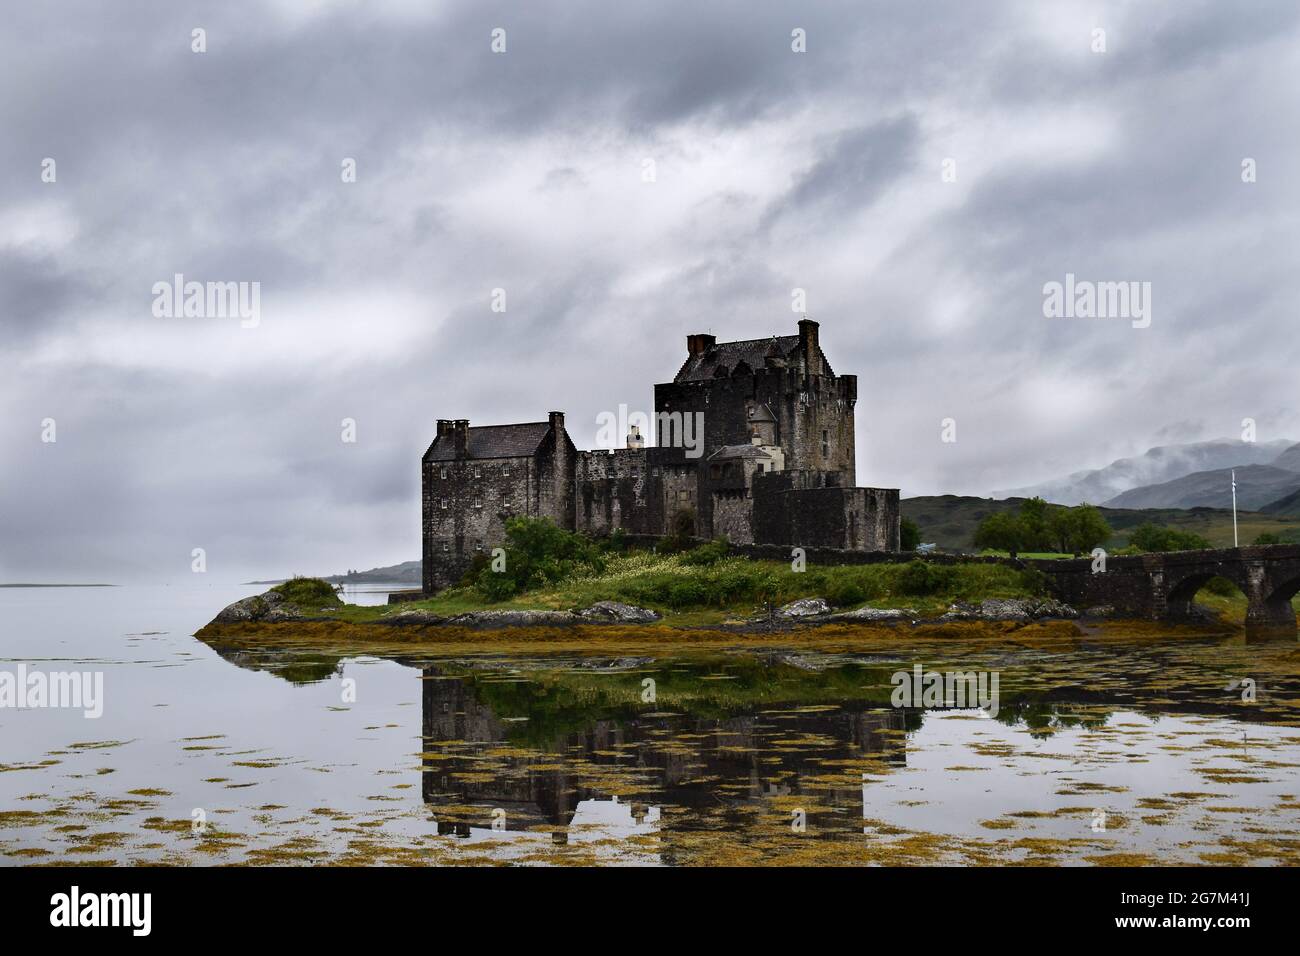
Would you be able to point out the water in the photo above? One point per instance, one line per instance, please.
(751, 751)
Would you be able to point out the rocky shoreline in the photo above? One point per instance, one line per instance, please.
(272, 608)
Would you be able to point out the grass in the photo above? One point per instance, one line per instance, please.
(734, 587)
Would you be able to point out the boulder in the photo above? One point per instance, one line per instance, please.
(1022, 610)
(491, 619)
(614, 612)
(876, 614)
(805, 607)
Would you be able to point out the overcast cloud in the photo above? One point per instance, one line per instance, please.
(523, 171)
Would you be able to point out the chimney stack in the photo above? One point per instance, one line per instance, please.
(460, 428)
(808, 344)
(700, 343)
(444, 427)
(557, 422)
(634, 437)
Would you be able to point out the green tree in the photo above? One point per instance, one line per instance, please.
(1153, 537)
(1001, 531)
(909, 535)
(1078, 529)
(1034, 532)
(1268, 537)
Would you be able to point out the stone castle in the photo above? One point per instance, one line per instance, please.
(754, 439)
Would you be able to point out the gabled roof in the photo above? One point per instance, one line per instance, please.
(739, 451)
(723, 357)
(761, 413)
(493, 441)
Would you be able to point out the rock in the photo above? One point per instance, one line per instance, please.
(618, 613)
(489, 619)
(1022, 610)
(1101, 610)
(805, 607)
(413, 618)
(283, 612)
(248, 609)
(876, 614)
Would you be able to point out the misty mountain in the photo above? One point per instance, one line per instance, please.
(1289, 459)
(1257, 486)
(1157, 466)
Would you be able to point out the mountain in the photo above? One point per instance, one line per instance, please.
(1284, 507)
(1158, 465)
(1257, 486)
(950, 521)
(1289, 459)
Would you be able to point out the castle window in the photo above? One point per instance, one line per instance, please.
(442, 472)
(478, 502)
(478, 472)
(478, 545)
(446, 546)
(443, 504)
(826, 445)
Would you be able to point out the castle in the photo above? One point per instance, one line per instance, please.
(754, 438)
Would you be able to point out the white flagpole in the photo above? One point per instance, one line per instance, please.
(1235, 543)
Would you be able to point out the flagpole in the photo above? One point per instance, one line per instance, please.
(1235, 543)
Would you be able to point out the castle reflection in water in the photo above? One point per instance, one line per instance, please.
(713, 765)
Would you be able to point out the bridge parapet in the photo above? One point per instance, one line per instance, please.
(1163, 586)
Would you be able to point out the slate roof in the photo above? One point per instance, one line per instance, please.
(739, 451)
(725, 356)
(493, 441)
(762, 414)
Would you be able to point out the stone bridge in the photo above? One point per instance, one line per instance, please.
(1162, 586)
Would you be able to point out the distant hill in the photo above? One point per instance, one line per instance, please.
(950, 521)
(1158, 465)
(1289, 459)
(1288, 506)
(408, 572)
(1257, 486)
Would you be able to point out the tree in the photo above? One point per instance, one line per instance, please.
(1087, 529)
(1001, 531)
(1034, 533)
(1268, 537)
(1154, 537)
(909, 535)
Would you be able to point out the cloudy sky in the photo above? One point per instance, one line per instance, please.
(525, 170)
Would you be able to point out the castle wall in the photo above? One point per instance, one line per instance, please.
(615, 489)
(733, 516)
(806, 510)
(479, 496)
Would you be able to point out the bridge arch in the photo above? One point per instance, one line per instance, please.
(1275, 607)
(1181, 588)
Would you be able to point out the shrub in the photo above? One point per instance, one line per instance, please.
(308, 592)
(1222, 586)
(909, 535)
(537, 553)
(845, 593)
(685, 592)
(919, 578)
(1268, 537)
(706, 554)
